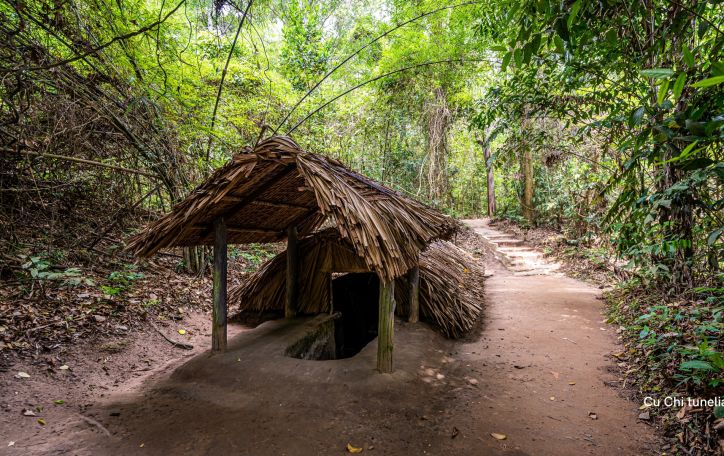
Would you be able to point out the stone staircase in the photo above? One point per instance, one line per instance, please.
(515, 254)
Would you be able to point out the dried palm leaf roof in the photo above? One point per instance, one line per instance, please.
(262, 192)
(451, 282)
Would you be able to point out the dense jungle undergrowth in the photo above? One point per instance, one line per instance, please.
(596, 128)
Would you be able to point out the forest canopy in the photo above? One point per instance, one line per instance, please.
(604, 117)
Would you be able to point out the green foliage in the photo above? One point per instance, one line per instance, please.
(682, 343)
(252, 255)
(305, 52)
(119, 281)
(652, 96)
(39, 269)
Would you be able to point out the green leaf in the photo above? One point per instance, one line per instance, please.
(561, 29)
(713, 236)
(506, 61)
(696, 364)
(679, 85)
(535, 43)
(657, 73)
(708, 82)
(717, 68)
(527, 53)
(611, 36)
(560, 46)
(636, 116)
(719, 411)
(697, 163)
(518, 57)
(663, 91)
(688, 57)
(574, 12)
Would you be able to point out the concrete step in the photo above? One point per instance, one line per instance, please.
(521, 253)
(508, 242)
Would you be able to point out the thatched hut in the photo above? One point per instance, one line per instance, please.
(450, 289)
(276, 191)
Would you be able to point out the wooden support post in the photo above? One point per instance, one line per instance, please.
(386, 327)
(218, 329)
(414, 279)
(330, 279)
(290, 307)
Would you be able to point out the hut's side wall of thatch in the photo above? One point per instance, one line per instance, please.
(319, 256)
(451, 283)
(451, 289)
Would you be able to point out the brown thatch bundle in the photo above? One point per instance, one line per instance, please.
(320, 255)
(451, 289)
(262, 192)
(451, 282)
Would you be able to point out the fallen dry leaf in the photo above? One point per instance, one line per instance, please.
(681, 413)
(64, 367)
(22, 375)
(28, 413)
(497, 436)
(353, 449)
(571, 383)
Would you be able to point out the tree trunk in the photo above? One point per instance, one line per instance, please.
(491, 180)
(528, 185)
(437, 129)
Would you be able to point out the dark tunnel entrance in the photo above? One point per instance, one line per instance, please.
(352, 325)
(355, 296)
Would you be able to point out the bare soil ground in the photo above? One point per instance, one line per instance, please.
(533, 373)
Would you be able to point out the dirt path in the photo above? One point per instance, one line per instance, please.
(534, 372)
(541, 363)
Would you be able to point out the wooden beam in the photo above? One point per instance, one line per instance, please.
(290, 307)
(218, 328)
(414, 278)
(386, 327)
(243, 229)
(282, 205)
(234, 229)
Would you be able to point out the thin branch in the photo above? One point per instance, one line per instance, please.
(96, 49)
(700, 16)
(223, 76)
(80, 160)
(377, 78)
(368, 44)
